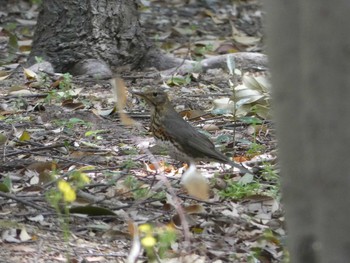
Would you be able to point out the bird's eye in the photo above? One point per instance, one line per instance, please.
(155, 94)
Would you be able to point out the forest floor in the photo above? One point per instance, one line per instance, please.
(56, 129)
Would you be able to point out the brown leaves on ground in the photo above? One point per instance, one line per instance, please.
(49, 131)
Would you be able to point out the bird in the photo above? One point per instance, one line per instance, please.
(185, 142)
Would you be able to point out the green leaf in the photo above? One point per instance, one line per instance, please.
(6, 185)
(251, 120)
(93, 133)
(178, 81)
(92, 211)
(25, 136)
(3, 139)
(4, 188)
(246, 179)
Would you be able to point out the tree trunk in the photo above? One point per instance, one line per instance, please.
(311, 80)
(98, 37)
(89, 36)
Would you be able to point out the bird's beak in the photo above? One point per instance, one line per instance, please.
(137, 93)
(141, 94)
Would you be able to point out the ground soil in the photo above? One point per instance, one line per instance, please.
(118, 159)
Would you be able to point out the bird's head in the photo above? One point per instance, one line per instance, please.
(155, 97)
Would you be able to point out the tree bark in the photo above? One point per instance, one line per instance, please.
(311, 80)
(102, 37)
(89, 36)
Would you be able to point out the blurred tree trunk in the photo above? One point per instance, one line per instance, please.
(83, 35)
(309, 53)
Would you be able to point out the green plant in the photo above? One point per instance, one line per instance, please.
(131, 182)
(65, 89)
(237, 190)
(20, 103)
(135, 187)
(179, 80)
(95, 134)
(267, 184)
(130, 151)
(11, 26)
(63, 194)
(128, 164)
(156, 240)
(161, 195)
(44, 79)
(6, 185)
(269, 237)
(37, 2)
(38, 59)
(255, 149)
(66, 82)
(18, 119)
(252, 120)
(72, 122)
(140, 193)
(270, 175)
(200, 51)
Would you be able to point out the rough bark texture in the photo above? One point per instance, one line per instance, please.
(311, 80)
(93, 33)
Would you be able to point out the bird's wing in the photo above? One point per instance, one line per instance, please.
(191, 139)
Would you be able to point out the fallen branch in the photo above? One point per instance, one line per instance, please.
(19, 200)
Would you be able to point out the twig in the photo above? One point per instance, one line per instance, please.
(35, 149)
(13, 197)
(25, 96)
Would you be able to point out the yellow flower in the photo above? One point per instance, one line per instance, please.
(148, 241)
(145, 228)
(67, 191)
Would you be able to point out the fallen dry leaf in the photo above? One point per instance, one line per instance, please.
(195, 183)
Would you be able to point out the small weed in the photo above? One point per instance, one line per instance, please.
(72, 122)
(112, 177)
(140, 193)
(95, 134)
(38, 59)
(200, 51)
(156, 240)
(131, 182)
(6, 185)
(63, 194)
(66, 83)
(11, 26)
(268, 237)
(136, 188)
(160, 195)
(20, 103)
(255, 149)
(130, 151)
(18, 119)
(179, 80)
(65, 89)
(237, 190)
(128, 164)
(38, 2)
(249, 185)
(270, 175)
(44, 79)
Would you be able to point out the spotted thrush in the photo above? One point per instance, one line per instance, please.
(184, 141)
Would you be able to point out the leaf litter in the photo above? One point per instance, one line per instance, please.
(51, 133)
